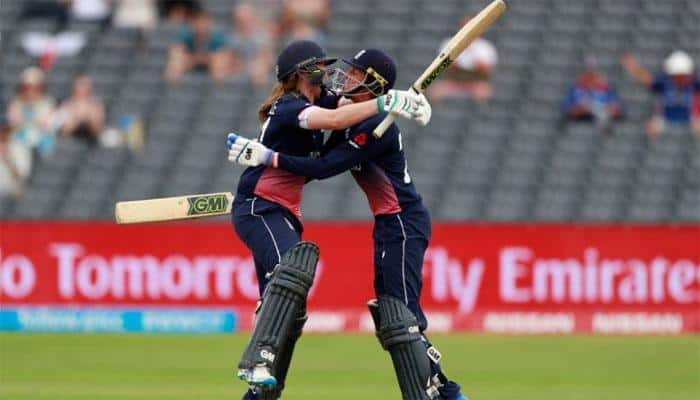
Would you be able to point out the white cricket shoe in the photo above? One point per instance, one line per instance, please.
(257, 376)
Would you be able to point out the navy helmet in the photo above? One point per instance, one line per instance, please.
(380, 69)
(302, 55)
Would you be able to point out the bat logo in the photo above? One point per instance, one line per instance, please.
(207, 204)
(440, 68)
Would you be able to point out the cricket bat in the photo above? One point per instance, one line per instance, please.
(173, 208)
(460, 41)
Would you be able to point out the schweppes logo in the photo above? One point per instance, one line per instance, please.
(433, 75)
(207, 204)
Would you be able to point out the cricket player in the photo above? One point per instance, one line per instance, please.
(266, 213)
(402, 223)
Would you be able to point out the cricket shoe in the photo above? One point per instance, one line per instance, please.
(258, 376)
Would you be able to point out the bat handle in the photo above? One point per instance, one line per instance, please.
(383, 126)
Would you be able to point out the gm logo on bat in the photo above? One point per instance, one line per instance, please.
(207, 204)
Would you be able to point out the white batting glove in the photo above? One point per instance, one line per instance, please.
(248, 152)
(406, 104)
(425, 111)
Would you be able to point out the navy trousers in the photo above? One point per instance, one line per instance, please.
(400, 242)
(268, 229)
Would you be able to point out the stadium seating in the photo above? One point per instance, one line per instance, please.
(510, 160)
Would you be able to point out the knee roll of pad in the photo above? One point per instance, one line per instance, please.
(295, 273)
(398, 325)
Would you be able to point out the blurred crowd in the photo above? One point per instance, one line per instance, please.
(244, 45)
(34, 121)
(676, 92)
(591, 98)
(245, 48)
(248, 45)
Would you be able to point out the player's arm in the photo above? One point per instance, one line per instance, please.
(397, 102)
(335, 139)
(340, 159)
(357, 149)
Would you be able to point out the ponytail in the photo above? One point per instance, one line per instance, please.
(280, 89)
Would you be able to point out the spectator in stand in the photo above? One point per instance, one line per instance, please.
(304, 19)
(31, 112)
(83, 114)
(470, 75)
(677, 90)
(30, 117)
(251, 44)
(592, 99)
(135, 14)
(200, 48)
(178, 12)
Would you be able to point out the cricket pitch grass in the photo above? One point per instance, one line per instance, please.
(348, 367)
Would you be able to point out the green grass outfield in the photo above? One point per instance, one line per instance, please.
(344, 367)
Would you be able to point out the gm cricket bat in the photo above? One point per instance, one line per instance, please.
(173, 208)
(460, 41)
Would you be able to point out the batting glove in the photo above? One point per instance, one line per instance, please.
(406, 104)
(248, 152)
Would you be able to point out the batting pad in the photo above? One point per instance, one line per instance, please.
(400, 335)
(283, 303)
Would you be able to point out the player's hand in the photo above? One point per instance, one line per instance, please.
(248, 152)
(406, 104)
(425, 111)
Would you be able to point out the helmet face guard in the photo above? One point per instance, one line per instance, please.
(312, 72)
(343, 84)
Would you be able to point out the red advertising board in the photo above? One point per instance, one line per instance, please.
(496, 278)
